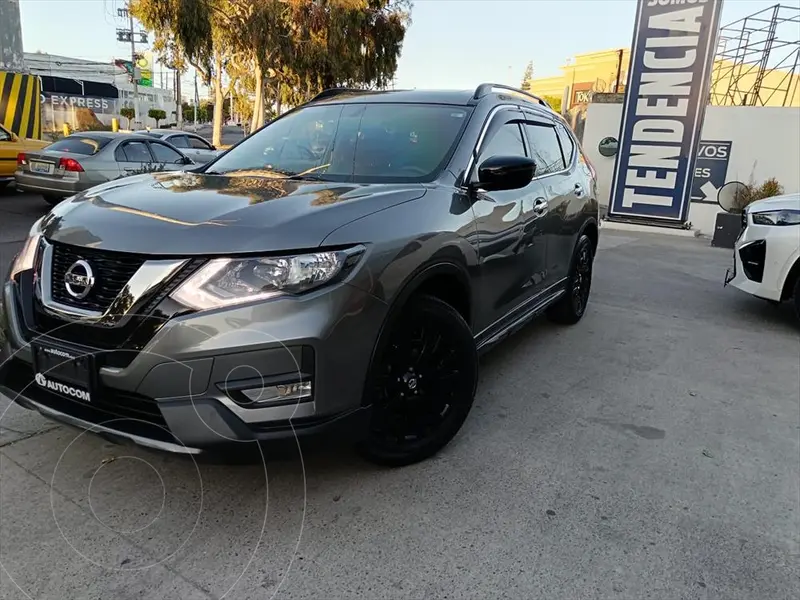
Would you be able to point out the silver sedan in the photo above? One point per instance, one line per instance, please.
(191, 144)
(84, 160)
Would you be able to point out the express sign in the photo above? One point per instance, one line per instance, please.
(665, 99)
(68, 101)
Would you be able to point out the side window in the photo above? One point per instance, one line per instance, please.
(179, 141)
(567, 145)
(198, 144)
(165, 154)
(4, 135)
(506, 141)
(133, 152)
(545, 149)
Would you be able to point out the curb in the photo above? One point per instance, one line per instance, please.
(647, 229)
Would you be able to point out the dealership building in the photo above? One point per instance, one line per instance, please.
(82, 92)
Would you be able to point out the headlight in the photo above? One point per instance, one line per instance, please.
(228, 281)
(777, 217)
(26, 257)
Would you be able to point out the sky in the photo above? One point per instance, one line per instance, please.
(450, 44)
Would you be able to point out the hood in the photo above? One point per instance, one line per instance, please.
(785, 202)
(187, 213)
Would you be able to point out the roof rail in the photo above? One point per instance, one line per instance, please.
(486, 88)
(331, 92)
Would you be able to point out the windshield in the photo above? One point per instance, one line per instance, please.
(363, 143)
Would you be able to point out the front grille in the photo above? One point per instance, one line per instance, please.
(112, 270)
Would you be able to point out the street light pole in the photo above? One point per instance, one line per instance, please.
(133, 68)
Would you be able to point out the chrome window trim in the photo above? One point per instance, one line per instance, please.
(150, 275)
(525, 110)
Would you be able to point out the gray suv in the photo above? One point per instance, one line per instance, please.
(338, 272)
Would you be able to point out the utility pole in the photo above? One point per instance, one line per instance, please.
(129, 35)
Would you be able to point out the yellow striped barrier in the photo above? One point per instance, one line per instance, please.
(20, 104)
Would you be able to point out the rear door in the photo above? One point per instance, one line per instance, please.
(200, 150)
(555, 206)
(133, 157)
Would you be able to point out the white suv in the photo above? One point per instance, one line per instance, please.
(767, 252)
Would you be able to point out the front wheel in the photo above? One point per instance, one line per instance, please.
(421, 385)
(572, 305)
(796, 295)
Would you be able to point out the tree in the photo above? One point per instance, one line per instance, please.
(526, 77)
(554, 102)
(157, 114)
(127, 112)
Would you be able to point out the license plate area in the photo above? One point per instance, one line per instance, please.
(42, 168)
(64, 371)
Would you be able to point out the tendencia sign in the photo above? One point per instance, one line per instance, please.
(665, 100)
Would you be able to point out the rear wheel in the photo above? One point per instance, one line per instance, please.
(572, 305)
(51, 199)
(422, 384)
(796, 295)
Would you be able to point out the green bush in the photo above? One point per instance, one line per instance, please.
(157, 114)
(127, 112)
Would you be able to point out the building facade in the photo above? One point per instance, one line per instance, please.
(81, 92)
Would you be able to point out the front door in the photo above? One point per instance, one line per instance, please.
(510, 252)
(133, 157)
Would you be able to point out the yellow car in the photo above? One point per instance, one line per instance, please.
(11, 145)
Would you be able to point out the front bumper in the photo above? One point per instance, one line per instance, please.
(181, 392)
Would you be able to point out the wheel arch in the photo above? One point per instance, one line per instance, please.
(591, 229)
(432, 277)
(791, 280)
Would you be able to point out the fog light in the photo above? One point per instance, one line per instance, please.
(278, 393)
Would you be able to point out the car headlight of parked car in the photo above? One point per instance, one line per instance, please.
(26, 257)
(777, 217)
(228, 281)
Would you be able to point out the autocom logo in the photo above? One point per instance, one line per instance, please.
(62, 388)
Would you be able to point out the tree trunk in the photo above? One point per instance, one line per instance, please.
(258, 102)
(219, 98)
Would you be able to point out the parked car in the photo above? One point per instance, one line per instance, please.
(10, 146)
(337, 272)
(83, 160)
(192, 145)
(766, 256)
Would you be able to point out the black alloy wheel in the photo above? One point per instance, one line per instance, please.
(572, 305)
(423, 384)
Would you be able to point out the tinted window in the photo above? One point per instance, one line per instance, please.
(353, 142)
(84, 145)
(198, 144)
(507, 141)
(545, 149)
(567, 145)
(133, 152)
(4, 137)
(165, 154)
(179, 141)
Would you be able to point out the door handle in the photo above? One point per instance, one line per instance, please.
(539, 206)
(578, 190)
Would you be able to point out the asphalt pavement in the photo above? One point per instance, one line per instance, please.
(651, 451)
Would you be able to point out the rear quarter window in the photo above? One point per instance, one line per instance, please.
(87, 146)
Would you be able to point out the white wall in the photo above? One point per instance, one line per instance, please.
(766, 143)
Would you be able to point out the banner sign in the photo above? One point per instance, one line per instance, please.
(710, 170)
(97, 105)
(674, 43)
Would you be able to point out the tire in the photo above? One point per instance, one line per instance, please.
(571, 307)
(796, 298)
(421, 384)
(51, 199)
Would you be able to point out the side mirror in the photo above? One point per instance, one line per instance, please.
(185, 161)
(505, 173)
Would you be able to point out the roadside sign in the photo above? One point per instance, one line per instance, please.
(665, 99)
(710, 170)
